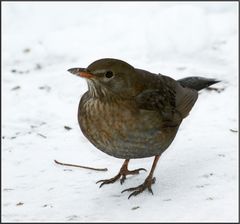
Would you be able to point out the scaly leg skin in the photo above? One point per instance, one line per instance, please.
(146, 184)
(121, 175)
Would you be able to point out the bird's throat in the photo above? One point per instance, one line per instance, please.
(97, 90)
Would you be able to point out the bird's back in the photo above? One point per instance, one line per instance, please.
(166, 95)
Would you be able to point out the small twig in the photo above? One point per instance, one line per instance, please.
(84, 167)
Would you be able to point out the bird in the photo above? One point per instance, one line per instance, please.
(131, 113)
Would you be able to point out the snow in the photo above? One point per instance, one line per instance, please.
(196, 178)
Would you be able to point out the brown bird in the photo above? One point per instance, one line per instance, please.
(131, 113)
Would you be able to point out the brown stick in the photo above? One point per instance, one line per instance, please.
(84, 167)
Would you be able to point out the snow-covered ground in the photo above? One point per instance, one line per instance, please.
(197, 177)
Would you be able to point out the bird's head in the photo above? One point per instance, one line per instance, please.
(106, 77)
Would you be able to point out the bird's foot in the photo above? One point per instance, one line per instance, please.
(121, 175)
(139, 189)
(126, 172)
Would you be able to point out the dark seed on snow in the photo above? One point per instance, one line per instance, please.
(67, 128)
(16, 87)
(19, 203)
(136, 207)
(42, 135)
(26, 50)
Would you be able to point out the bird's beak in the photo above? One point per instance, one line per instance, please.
(81, 72)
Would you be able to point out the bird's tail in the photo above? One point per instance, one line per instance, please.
(197, 83)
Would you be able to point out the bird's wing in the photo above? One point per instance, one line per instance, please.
(167, 96)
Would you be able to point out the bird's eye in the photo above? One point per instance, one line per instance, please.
(109, 74)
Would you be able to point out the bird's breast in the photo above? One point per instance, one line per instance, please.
(120, 129)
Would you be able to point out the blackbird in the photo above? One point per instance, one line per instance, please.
(131, 113)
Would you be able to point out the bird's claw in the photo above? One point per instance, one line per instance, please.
(130, 172)
(139, 189)
(122, 175)
(108, 181)
(136, 171)
(123, 179)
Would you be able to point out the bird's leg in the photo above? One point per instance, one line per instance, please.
(147, 183)
(122, 174)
